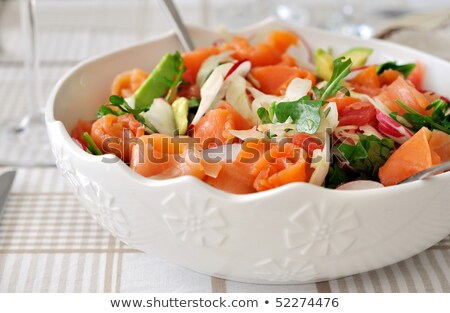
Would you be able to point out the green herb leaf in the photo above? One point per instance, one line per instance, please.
(105, 110)
(194, 103)
(304, 112)
(116, 100)
(336, 176)
(437, 120)
(405, 69)
(264, 116)
(341, 68)
(178, 80)
(91, 146)
(124, 107)
(368, 155)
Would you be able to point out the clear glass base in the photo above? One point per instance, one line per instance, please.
(25, 142)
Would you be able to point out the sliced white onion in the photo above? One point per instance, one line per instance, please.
(297, 89)
(160, 115)
(321, 166)
(210, 64)
(370, 130)
(236, 95)
(278, 130)
(374, 101)
(247, 134)
(346, 132)
(210, 89)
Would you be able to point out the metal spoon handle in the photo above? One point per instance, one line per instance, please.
(177, 22)
(443, 167)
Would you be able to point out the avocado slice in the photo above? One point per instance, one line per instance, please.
(358, 56)
(324, 60)
(324, 64)
(180, 108)
(157, 83)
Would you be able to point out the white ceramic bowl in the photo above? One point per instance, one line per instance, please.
(294, 234)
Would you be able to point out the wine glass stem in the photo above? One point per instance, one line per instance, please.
(32, 70)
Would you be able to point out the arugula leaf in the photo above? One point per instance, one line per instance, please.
(405, 69)
(336, 176)
(341, 68)
(437, 120)
(368, 155)
(90, 144)
(304, 112)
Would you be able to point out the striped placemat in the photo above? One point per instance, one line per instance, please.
(48, 243)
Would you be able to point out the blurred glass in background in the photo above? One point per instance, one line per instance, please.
(72, 30)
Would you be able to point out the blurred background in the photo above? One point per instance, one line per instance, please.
(69, 31)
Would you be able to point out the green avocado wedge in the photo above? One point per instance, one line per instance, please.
(158, 82)
(358, 56)
(324, 64)
(324, 60)
(180, 109)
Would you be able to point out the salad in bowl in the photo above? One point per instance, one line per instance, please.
(244, 115)
(226, 160)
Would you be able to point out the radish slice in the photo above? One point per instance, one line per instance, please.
(360, 185)
(241, 68)
(392, 129)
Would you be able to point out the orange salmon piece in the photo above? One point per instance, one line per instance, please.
(367, 81)
(108, 134)
(404, 91)
(193, 61)
(126, 83)
(233, 177)
(410, 158)
(274, 79)
(213, 127)
(164, 156)
(439, 146)
(79, 129)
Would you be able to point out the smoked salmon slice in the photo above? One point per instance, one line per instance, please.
(274, 79)
(213, 128)
(108, 133)
(410, 158)
(404, 91)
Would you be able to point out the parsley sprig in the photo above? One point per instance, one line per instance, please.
(122, 107)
